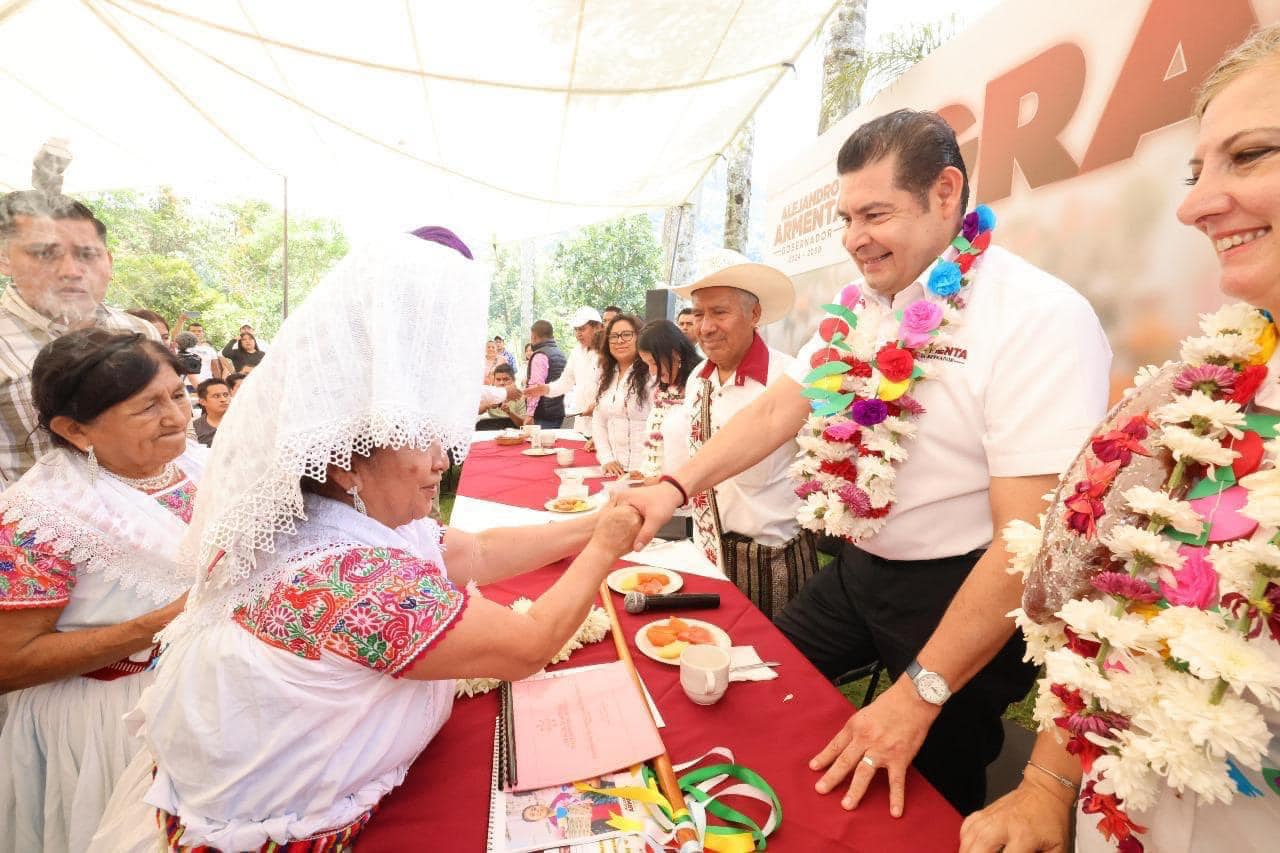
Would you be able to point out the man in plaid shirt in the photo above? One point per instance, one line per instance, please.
(54, 250)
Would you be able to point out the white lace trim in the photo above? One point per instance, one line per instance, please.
(104, 527)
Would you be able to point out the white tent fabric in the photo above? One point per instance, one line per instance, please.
(505, 118)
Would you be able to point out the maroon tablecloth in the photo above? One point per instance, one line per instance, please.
(773, 727)
(502, 474)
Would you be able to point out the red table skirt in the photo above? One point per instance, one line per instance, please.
(498, 473)
(773, 727)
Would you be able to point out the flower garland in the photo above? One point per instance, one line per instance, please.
(1159, 677)
(860, 392)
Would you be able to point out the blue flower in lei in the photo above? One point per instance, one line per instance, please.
(945, 279)
(986, 218)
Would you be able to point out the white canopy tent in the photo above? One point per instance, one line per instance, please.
(501, 119)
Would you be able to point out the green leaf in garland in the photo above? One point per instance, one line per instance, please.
(1272, 776)
(1189, 538)
(1263, 425)
(837, 404)
(843, 313)
(838, 343)
(917, 372)
(961, 244)
(816, 393)
(897, 315)
(1223, 478)
(831, 368)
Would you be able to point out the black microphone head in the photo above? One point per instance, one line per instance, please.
(634, 602)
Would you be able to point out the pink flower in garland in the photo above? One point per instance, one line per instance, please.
(1125, 586)
(910, 405)
(808, 487)
(855, 499)
(1194, 585)
(869, 412)
(918, 321)
(1210, 378)
(1123, 443)
(1259, 613)
(1102, 723)
(844, 431)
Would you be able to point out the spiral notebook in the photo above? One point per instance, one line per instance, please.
(559, 818)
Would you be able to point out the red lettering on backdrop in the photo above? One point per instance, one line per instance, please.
(1056, 78)
(961, 119)
(1143, 100)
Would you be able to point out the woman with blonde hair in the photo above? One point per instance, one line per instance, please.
(1153, 594)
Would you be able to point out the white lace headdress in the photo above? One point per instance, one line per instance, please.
(382, 353)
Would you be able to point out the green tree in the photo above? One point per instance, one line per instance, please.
(844, 83)
(611, 263)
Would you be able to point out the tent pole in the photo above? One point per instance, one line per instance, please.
(285, 311)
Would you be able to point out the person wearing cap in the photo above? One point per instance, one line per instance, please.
(746, 524)
(1006, 402)
(580, 381)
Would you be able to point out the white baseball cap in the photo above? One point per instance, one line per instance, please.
(583, 316)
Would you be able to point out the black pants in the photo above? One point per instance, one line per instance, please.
(863, 608)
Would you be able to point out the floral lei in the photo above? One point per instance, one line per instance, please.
(860, 392)
(1153, 678)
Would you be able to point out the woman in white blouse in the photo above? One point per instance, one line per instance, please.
(626, 394)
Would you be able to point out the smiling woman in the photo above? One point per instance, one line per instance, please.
(88, 575)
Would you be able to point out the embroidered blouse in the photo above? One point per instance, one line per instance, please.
(33, 574)
(378, 607)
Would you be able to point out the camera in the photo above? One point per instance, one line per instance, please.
(191, 362)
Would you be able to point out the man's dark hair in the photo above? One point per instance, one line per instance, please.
(82, 374)
(666, 344)
(234, 379)
(199, 326)
(684, 311)
(497, 339)
(39, 205)
(614, 308)
(504, 368)
(542, 329)
(184, 341)
(202, 390)
(923, 143)
(148, 315)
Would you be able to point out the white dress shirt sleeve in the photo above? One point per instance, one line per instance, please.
(1048, 389)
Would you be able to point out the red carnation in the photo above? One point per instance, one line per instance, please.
(964, 262)
(1247, 383)
(895, 364)
(859, 368)
(844, 468)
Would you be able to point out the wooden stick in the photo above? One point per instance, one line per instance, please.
(686, 838)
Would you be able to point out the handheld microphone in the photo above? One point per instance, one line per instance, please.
(638, 602)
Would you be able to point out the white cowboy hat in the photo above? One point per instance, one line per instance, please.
(727, 268)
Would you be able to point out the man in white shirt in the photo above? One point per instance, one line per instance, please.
(580, 382)
(1013, 395)
(210, 364)
(747, 524)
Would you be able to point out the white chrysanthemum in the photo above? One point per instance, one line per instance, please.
(1218, 349)
(811, 512)
(883, 443)
(1160, 507)
(1128, 776)
(1239, 563)
(1048, 708)
(467, 687)
(1145, 374)
(950, 315)
(1263, 502)
(1065, 667)
(1239, 318)
(1233, 726)
(1185, 444)
(1039, 638)
(1137, 546)
(1022, 540)
(899, 427)
(1133, 686)
(1211, 417)
(1097, 620)
(803, 468)
(1187, 767)
(1215, 651)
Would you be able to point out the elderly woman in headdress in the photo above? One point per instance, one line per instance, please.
(88, 576)
(1153, 598)
(319, 651)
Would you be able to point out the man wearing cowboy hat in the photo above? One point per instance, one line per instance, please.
(746, 524)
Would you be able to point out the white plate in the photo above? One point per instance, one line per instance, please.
(649, 650)
(538, 451)
(617, 576)
(591, 504)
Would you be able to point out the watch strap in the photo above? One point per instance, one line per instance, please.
(913, 669)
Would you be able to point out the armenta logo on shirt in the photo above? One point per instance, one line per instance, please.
(955, 355)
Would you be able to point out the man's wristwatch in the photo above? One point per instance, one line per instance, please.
(931, 686)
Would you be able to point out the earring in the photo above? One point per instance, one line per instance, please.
(92, 459)
(356, 501)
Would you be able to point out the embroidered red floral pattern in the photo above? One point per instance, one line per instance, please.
(180, 500)
(31, 574)
(378, 607)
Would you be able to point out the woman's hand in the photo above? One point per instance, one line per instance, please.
(1028, 819)
(590, 446)
(164, 615)
(613, 469)
(616, 529)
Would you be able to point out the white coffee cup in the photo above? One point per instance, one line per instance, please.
(535, 437)
(564, 456)
(704, 673)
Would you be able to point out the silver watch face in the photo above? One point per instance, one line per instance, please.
(932, 687)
